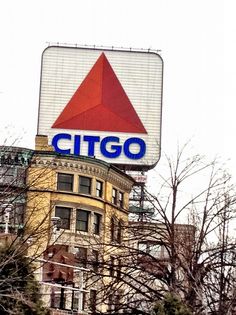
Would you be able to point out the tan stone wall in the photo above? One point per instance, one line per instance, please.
(41, 143)
(44, 196)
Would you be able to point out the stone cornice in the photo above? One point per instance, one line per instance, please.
(83, 166)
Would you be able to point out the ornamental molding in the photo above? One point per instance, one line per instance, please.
(100, 171)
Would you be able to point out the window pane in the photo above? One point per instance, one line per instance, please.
(96, 223)
(114, 196)
(112, 229)
(98, 188)
(65, 182)
(75, 303)
(56, 300)
(85, 185)
(119, 232)
(82, 218)
(82, 226)
(81, 256)
(118, 269)
(64, 214)
(121, 199)
(83, 215)
(93, 300)
(112, 263)
(19, 214)
(95, 260)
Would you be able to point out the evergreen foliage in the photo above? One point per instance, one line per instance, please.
(171, 305)
(19, 291)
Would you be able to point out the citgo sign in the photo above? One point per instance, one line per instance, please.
(102, 103)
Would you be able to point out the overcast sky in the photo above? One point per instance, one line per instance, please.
(197, 43)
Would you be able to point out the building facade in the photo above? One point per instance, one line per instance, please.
(14, 163)
(77, 210)
(71, 213)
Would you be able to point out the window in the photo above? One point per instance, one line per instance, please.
(81, 256)
(63, 213)
(19, 214)
(112, 266)
(99, 186)
(121, 199)
(75, 302)
(65, 182)
(116, 228)
(85, 185)
(82, 218)
(76, 296)
(118, 269)
(119, 232)
(96, 223)
(93, 301)
(14, 214)
(95, 260)
(58, 299)
(55, 300)
(112, 229)
(114, 196)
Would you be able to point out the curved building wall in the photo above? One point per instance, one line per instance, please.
(91, 199)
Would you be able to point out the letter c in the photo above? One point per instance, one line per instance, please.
(55, 140)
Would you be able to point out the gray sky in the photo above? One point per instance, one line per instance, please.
(197, 43)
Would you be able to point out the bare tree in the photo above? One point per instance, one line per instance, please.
(184, 245)
(24, 235)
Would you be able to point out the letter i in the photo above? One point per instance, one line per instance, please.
(77, 145)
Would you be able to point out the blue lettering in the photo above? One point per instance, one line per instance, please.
(77, 145)
(55, 140)
(91, 142)
(110, 147)
(142, 148)
(116, 148)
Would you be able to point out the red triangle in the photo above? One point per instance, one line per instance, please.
(100, 103)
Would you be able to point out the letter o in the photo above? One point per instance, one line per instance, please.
(142, 148)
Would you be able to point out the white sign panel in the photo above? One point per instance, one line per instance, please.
(102, 103)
